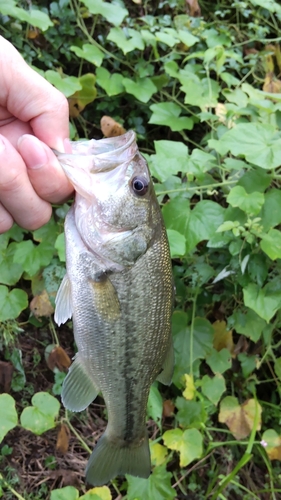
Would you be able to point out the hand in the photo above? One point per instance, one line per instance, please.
(33, 119)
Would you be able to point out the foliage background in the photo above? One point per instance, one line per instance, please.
(200, 86)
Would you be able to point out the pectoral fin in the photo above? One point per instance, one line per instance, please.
(79, 389)
(63, 302)
(106, 300)
(165, 376)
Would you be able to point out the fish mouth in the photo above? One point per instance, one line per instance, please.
(104, 154)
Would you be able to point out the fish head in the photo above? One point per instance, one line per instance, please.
(116, 210)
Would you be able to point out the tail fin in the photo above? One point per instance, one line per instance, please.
(110, 459)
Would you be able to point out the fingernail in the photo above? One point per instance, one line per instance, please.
(2, 144)
(34, 154)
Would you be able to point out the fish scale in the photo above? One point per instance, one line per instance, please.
(118, 289)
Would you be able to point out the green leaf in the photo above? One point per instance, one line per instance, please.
(66, 493)
(176, 242)
(10, 271)
(203, 222)
(89, 52)
(277, 368)
(258, 142)
(188, 443)
(167, 38)
(249, 203)
(12, 303)
(48, 232)
(111, 11)
(98, 493)
(33, 257)
(202, 93)
(190, 413)
(41, 416)
(262, 300)
(168, 113)
(156, 487)
(248, 363)
(271, 213)
(171, 157)
(200, 162)
(60, 247)
(213, 387)
(141, 88)
(203, 334)
(155, 405)
(187, 38)
(271, 244)
(126, 40)
(68, 85)
(256, 179)
(111, 83)
(8, 415)
(248, 323)
(219, 361)
(31, 16)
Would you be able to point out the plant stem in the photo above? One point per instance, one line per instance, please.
(9, 487)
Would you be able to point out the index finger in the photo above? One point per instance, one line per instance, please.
(29, 97)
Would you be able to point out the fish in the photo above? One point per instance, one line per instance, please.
(118, 290)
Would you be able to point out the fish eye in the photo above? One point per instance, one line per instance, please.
(139, 185)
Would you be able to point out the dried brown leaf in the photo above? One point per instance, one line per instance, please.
(41, 305)
(63, 439)
(193, 8)
(6, 375)
(110, 128)
(56, 357)
(168, 408)
(222, 337)
(239, 418)
(271, 84)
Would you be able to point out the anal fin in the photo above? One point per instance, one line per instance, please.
(79, 389)
(165, 376)
(63, 302)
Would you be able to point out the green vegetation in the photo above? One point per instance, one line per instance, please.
(204, 97)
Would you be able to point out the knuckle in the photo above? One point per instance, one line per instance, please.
(11, 181)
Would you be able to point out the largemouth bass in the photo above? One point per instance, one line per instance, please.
(118, 289)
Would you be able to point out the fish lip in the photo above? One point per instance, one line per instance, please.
(105, 161)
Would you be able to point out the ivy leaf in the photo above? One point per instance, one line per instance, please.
(203, 222)
(156, 487)
(213, 387)
(190, 413)
(111, 11)
(171, 157)
(188, 443)
(155, 405)
(12, 303)
(67, 85)
(176, 242)
(248, 323)
(10, 271)
(250, 203)
(271, 213)
(203, 334)
(89, 52)
(33, 257)
(271, 244)
(168, 113)
(66, 493)
(31, 16)
(220, 361)
(111, 83)
(262, 300)
(8, 415)
(239, 418)
(272, 443)
(202, 93)
(40, 417)
(141, 88)
(126, 41)
(158, 453)
(187, 38)
(258, 142)
(97, 493)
